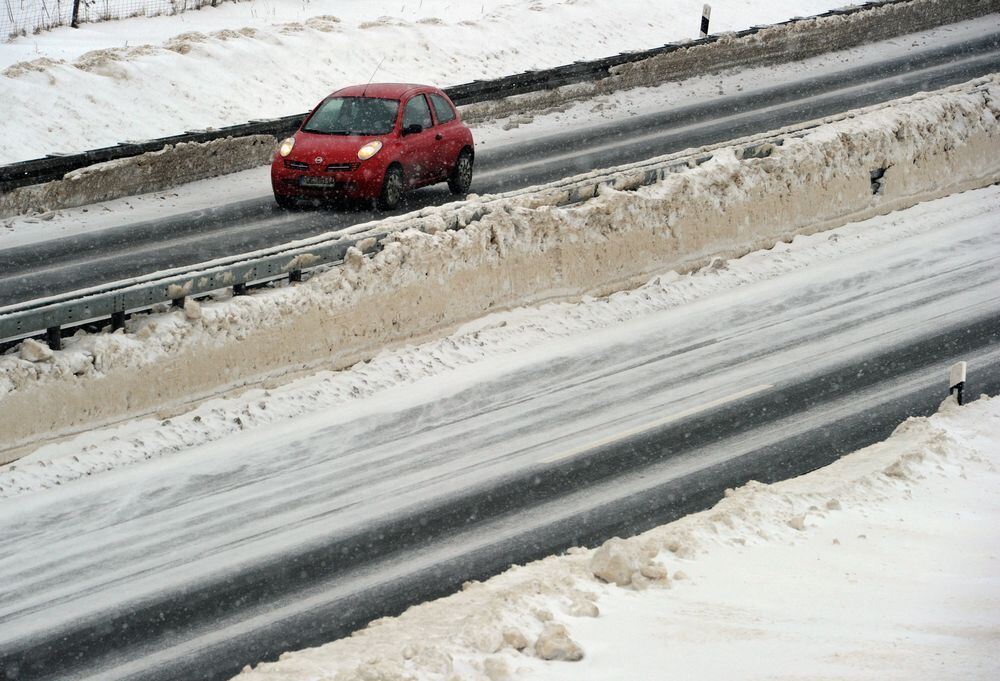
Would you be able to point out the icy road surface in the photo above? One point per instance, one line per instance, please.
(85, 555)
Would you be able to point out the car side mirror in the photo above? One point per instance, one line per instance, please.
(413, 129)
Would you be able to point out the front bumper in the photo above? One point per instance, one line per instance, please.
(357, 179)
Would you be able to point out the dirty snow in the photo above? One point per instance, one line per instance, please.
(883, 565)
(239, 61)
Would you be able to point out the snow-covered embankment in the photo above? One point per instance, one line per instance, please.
(516, 251)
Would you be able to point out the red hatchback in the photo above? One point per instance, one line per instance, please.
(375, 142)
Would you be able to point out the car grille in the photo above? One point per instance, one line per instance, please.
(296, 165)
(340, 167)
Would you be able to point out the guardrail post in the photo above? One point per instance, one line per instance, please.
(706, 14)
(53, 337)
(117, 320)
(295, 276)
(239, 289)
(178, 302)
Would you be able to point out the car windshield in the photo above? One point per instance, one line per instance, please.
(354, 116)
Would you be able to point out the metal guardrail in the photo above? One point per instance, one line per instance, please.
(116, 300)
(55, 166)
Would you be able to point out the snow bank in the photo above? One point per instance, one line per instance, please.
(873, 567)
(518, 251)
(154, 171)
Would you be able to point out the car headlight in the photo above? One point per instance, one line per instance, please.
(369, 150)
(285, 148)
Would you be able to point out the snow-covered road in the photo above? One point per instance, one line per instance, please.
(84, 553)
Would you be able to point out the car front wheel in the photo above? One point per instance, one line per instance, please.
(286, 202)
(461, 175)
(392, 189)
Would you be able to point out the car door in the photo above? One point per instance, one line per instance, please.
(418, 147)
(447, 138)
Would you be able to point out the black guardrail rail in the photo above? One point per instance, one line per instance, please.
(55, 166)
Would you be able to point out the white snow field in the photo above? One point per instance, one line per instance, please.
(63, 90)
(255, 184)
(884, 566)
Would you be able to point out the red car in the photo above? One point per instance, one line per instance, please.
(375, 142)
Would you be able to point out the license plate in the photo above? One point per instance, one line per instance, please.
(307, 181)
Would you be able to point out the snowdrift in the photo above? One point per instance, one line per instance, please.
(521, 250)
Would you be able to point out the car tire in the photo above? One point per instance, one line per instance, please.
(392, 189)
(286, 202)
(460, 179)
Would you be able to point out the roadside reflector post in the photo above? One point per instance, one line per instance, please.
(706, 14)
(956, 380)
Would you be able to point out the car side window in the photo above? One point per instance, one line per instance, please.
(417, 112)
(442, 109)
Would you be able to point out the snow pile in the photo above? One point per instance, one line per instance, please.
(173, 165)
(881, 566)
(230, 64)
(521, 251)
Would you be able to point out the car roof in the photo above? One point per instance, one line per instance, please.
(382, 90)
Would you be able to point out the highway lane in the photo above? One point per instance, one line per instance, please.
(85, 260)
(192, 566)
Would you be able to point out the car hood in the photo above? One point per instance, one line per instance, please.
(331, 148)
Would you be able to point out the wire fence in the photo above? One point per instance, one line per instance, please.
(26, 17)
